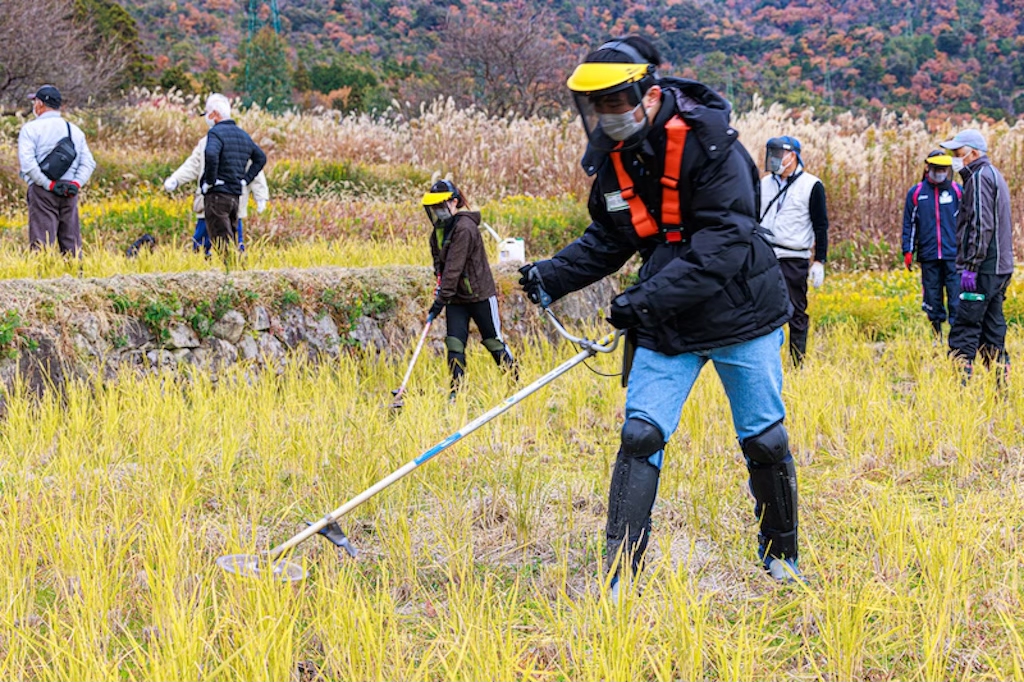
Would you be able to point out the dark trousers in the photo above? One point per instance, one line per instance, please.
(980, 326)
(485, 315)
(201, 238)
(53, 219)
(938, 277)
(795, 270)
(221, 212)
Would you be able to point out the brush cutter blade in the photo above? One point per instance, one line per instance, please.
(397, 404)
(255, 566)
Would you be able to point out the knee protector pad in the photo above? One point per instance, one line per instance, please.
(773, 484)
(454, 345)
(631, 496)
(494, 345)
(640, 438)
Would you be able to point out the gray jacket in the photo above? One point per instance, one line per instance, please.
(984, 228)
(39, 136)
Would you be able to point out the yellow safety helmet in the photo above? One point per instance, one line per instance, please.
(592, 81)
(602, 78)
(435, 201)
(939, 158)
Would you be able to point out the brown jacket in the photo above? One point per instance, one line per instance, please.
(461, 261)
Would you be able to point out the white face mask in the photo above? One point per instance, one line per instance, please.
(209, 121)
(958, 164)
(621, 127)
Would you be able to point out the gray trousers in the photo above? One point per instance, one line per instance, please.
(53, 219)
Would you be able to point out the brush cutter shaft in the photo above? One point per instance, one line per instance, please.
(415, 354)
(605, 345)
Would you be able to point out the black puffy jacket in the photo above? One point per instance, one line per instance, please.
(228, 150)
(721, 284)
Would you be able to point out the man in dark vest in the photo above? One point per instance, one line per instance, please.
(673, 183)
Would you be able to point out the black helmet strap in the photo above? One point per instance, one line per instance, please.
(625, 48)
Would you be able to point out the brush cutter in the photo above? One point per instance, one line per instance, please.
(398, 392)
(273, 562)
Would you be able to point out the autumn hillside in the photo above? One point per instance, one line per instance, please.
(938, 57)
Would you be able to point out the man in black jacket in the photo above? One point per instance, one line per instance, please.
(229, 150)
(672, 183)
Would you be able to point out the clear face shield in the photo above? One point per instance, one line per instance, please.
(773, 158)
(438, 214)
(938, 174)
(613, 118)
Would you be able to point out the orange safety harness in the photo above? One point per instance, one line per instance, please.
(671, 215)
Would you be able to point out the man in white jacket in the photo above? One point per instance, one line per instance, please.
(793, 211)
(192, 171)
(54, 170)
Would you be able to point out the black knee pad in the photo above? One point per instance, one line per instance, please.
(771, 446)
(640, 438)
(631, 496)
(773, 484)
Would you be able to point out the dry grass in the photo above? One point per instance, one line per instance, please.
(867, 165)
(483, 565)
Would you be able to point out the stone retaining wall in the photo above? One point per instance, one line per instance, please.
(53, 330)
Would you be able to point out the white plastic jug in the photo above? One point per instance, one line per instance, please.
(512, 249)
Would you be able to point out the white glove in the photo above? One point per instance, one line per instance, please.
(204, 188)
(261, 206)
(243, 185)
(170, 184)
(817, 274)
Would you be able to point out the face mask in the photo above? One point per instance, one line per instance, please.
(621, 127)
(937, 177)
(209, 121)
(958, 164)
(774, 165)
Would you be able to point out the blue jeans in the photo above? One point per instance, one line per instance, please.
(201, 238)
(751, 373)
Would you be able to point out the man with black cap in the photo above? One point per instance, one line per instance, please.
(673, 184)
(55, 162)
(794, 213)
(984, 259)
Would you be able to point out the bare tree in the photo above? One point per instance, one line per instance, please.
(513, 63)
(43, 41)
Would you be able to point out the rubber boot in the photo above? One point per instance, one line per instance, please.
(937, 330)
(457, 370)
(504, 360)
(797, 346)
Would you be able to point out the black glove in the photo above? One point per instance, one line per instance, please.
(533, 285)
(436, 309)
(622, 315)
(65, 188)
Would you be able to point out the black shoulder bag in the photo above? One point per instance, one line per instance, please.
(60, 158)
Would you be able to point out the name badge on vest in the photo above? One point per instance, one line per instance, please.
(613, 201)
(945, 197)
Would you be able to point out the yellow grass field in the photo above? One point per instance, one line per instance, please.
(484, 564)
(117, 497)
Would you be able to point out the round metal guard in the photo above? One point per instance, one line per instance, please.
(254, 566)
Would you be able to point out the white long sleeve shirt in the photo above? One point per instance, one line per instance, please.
(39, 136)
(192, 171)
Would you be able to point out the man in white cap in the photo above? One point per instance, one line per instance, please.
(984, 256)
(55, 162)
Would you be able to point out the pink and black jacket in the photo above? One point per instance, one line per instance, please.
(929, 220)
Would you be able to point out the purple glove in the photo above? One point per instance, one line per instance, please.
(968, 281)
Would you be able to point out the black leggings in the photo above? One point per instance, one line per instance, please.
(485, 315)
